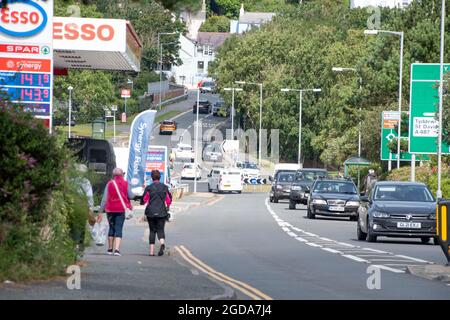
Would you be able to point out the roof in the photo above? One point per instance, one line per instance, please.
(402, 183)
(215, 39)
(256, 17)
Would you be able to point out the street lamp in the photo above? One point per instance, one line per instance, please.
(260, 112)
(160, 63)
(300, 91)
(129, 81)
(401, 35)
(70, 88)
(160, 73)
(441, 97)
(340, 69)
(233, 90)
(196, 140)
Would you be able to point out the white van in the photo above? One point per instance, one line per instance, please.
(221, 180)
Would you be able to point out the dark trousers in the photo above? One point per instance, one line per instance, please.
(115, 221)
(156, 227)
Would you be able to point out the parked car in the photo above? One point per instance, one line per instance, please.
(249, 170)
(167, 126)
(204, 106)
(219, 109)
(208, 87)
(397, 209)
(281, 186)
(304, 179)
(333, 197)
(221, 180)
(188, 172)
(184, 152)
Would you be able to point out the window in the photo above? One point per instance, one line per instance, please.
(200, 66)
(207, 50)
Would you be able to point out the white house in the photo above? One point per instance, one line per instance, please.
(380, 3)
(249, 20)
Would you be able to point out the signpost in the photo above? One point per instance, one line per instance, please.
(125, 94)
(423, 123)
(26, 56)
(389, 122)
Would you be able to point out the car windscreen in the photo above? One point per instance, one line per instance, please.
(334, 187)
(403, 193)
(186, 148)
(286, 177)
(188, 166)
(168, 122)
(232, 173)
(208, 84)
(309, 175)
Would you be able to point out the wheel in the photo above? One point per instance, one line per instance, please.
(239, 192)
(275, 199)
(309, 214)
(292, 205)
(359, 233)
(270, 199)
(370, 237)
(435, 241)
(425, 240)
(209, 188)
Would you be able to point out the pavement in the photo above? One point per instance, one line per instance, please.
(134, 275)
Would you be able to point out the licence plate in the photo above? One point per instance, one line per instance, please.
(409, 225)
(338, 209)
(227, 185)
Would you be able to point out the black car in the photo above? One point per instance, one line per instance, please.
(281, 186)
(333, 197)
(397, 209)
(304, 179)
(204, 106)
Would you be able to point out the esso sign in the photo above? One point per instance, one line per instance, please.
(22, 19)
(85, 31)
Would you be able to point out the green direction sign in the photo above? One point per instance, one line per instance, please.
(424, 103)
(389, 120)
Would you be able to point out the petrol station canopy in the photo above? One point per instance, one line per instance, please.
(95, 44)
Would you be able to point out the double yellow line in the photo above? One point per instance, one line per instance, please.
(246, 289)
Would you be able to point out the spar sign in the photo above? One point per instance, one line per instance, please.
(26, 56)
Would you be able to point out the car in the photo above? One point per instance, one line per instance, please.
(204, 106)
(219, 109)
(397, 209)
(212, 153)
(304, 179)
(281, 186)
(333, 197)
(208, 87)
(188, 172)
(249, 170)
(284, 167)
(223, 179)
(184, 152)
(167, 126)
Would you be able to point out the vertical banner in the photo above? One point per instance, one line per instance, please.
(140, 134)
(26, 56)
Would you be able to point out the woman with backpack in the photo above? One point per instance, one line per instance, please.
(158, 200)
(115, 201)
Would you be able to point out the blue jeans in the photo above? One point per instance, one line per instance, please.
(116, 221)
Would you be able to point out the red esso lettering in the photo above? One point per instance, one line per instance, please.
(87, 32)
(14, 17)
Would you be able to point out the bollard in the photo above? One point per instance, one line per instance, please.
(442, 227)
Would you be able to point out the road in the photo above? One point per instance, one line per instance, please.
(286, 256)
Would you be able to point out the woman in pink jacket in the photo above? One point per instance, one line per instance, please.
(115, 209)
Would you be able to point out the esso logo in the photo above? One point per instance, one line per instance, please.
(23, 18)
(85, 31)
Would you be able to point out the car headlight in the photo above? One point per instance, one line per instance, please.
(279, 187)
(432, 216)
(353, 203)
(377, 214)
(319, 201)
(296, 188)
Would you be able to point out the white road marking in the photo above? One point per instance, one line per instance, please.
(393, 260)
(326, 239)
(346, 244)
(301, 239)
(285, 229)
(332, 250)
(379, 251)
(310, 234)
(314, 245)
(389, 269)
(355, 258)
(292, 234)
(413, 259)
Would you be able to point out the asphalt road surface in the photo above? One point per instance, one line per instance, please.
(286, 256)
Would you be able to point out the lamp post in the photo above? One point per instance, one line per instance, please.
(340, 69)
(300, 91)
(160, 63)
(70, 88)
(260, 113)
(233, 90)
(401, 35)
(196, 140)
(441, 97)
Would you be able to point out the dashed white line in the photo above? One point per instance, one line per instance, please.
(355, 258)
(314, 245)
(346, 244)
(389, 269)
(292, 234)
(301, 239)
(413, 259)
(379, 251)
(332, 250)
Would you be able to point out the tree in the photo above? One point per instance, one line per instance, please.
(216, 24)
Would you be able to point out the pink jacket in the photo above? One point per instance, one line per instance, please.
(113, 203)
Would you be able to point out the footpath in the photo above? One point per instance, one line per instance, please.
(135, 275)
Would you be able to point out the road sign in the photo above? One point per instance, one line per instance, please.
(26, 59)
(255, 181)
(389, 122)
(424, 102)
(443, 227)
(125, 93)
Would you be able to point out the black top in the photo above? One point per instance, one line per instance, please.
(156, 207)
